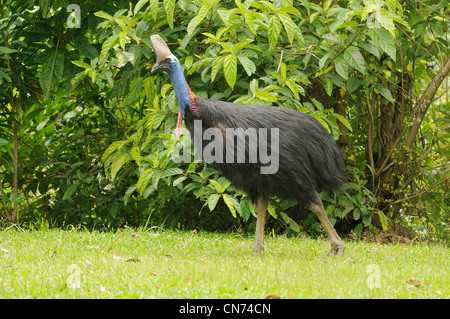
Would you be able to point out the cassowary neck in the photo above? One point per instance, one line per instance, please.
(184, 95)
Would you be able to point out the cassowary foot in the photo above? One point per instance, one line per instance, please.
(260, 208)
(258, 249)
(337, 249)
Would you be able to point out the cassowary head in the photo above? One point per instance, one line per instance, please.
(166, 61)
(164, 58)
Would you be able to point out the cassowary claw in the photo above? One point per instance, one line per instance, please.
(336, 250)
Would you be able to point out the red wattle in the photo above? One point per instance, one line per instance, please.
(179, 128)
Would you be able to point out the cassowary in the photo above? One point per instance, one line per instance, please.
(308, 158)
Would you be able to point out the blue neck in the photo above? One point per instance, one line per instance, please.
(180, 86)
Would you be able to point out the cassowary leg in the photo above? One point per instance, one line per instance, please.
(337, 245)
(261, 208)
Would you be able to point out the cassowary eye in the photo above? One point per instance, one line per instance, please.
(168, 60)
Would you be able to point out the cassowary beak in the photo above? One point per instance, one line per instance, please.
(160, 66)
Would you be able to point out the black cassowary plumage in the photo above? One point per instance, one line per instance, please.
(307, 158)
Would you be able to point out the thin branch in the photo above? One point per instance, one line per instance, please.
(420, 193)
(425, 101)
(5, 214)
(370, 137)
(422, 106)
(439, 97)
(15, 131)
(343, 49)
(435, 11)
(279, 63)
(398, 27)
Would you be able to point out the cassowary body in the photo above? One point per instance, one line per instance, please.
(308, 159)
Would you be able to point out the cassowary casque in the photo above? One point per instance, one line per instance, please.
(308, 159)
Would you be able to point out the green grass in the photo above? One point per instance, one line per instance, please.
(174, 264)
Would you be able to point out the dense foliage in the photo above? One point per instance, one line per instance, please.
(86, 132)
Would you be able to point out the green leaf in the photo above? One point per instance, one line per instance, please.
(274, 30)
(136, 155)
(271, 210)
(113, 147)
(82, 64)
(85, 48)
(224, 15)
(5, 76)
(169, 5)
(289, 26)
(341, 67)
(149, 89)
(367, 219)
(128, 193)
(107, 45)
(144, 179)
(179, 180)
(282, 67)
(293, 87)
(139, 6)
(114, 209)
(392, 5)
(230, 69)
(288, 8)
(327, 85)
(254, 86)
(122, 21)
(155, 180)
(198, 18)
(292, 224)
(104, 15)
(386, 20)
(358, 229)
(246, 208)
(355, 59)
(248, 65)
(217, 185)
(117, 164)
(230, 203)
(51, 72)
(249, 21)
(326, 5)
(384, 40)
(154, 9)
(3, 142)
(71, 190)
(6, 50)
(384, 220)
(352, 84)
(41, 125)
(384, 92)
(212, 201)
(265, 96)
(135, 91)
(330, 209)
(188, 61)
(241, 45)
(216, 67)
(346, 211)
(370, 48)
(123, 39)
(172, 171)
(342, 24)
(356, 213)
(343, 120)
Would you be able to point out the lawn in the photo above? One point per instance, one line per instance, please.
(132, 263)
